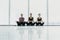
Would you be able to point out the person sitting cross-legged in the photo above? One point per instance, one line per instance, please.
(39, 21)
(21, 21)
(30, 20)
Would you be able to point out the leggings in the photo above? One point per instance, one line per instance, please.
(39, 23)
(30, 24)
(21, 23)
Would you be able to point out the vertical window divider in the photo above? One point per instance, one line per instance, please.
(47, 21)
(47, 14)
(9, 14)
(28, 7)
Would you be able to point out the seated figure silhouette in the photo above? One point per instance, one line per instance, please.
(39, 20)
(21, 21)
(30, 20)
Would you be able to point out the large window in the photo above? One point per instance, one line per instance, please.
(54, 11)
(4, 12)
(10, 13)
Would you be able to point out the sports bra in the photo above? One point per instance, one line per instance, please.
(39, 19)
(30, 19)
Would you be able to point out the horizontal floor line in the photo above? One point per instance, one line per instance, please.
(26, 25)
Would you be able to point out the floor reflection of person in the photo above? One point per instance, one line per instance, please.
(30, 20)
(39, 20)
(21, 21)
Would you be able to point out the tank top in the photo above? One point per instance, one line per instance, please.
(39, 19)
(30, 19)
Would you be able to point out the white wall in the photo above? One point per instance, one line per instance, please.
(4, 11)
(54, 12)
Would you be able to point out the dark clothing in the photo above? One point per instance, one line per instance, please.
(39, 23)
(21, 19)
(30, 19)
(39, 19)
(30, 24)
(20, 23)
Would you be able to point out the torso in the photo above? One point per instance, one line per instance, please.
(30, 18)
(21, 19)
(39, 19)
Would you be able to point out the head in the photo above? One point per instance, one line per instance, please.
(39, 14)
(21, 15)
(30, 14)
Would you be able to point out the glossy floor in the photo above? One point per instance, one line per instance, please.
(30, 33)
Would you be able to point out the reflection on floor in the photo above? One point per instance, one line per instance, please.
(30, 33)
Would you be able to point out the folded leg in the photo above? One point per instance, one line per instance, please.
(18, 23)
(42, 24)
(23, 23)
